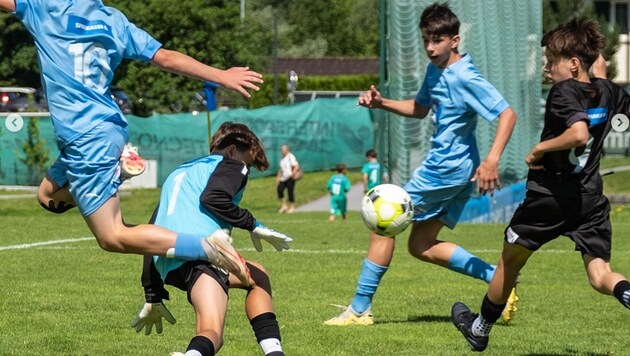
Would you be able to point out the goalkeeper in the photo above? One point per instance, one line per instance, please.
(203, 195)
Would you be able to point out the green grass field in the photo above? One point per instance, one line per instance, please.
(72, 298)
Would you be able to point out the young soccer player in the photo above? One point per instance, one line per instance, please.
(202, 196)
(564, 187)
(79, 45)
(338, 185)
(456, 93)
(371, 172)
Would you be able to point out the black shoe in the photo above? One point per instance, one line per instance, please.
(463, 318)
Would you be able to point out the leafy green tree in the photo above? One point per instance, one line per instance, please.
(36, 153)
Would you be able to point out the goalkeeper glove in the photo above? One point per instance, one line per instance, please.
(152, 314)
(278, 240)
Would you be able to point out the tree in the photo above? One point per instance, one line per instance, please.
(37, 155)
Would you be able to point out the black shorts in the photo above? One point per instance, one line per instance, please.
(542, 218)
(187, 274)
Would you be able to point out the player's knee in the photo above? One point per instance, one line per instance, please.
(260, 276)
(109, 242)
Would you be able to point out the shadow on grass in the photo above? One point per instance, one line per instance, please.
(418, 319)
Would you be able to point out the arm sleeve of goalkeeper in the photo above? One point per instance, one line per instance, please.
(154, 291)
(228, 179)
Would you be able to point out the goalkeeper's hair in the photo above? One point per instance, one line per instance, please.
(232, 133)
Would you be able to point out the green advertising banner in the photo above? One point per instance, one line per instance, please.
(321, 133)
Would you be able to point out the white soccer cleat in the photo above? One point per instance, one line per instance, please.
(221, 253)
(131, 164)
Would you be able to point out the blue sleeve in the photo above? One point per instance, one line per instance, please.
(138, 44)
(27, 12)
(482, 97)
(423, 97)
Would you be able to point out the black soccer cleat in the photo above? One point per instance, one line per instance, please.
(463, 318)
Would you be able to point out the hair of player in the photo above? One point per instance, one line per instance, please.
(371, 153)
(438, 20)
(580, 37)
(232, 133)
(341, 167)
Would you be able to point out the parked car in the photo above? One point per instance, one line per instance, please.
(19, 99)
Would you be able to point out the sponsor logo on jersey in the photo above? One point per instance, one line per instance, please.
(597, 115)
(82, 26)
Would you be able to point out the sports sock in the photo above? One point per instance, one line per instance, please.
(490, 312)
(188, 247)
(466, 263)
(369, 279)
(200, 346)
(622, 293)
(267, 333)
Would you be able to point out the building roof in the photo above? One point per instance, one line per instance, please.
(327, 66)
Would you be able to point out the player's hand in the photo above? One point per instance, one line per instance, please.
(278, 240)
(371, 98)
(241, 79)
(151, 314)
(598, 69)
(532, 159)
(487, 177)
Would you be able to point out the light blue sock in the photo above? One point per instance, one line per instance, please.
(370, 277)
(188, 247)
(466, 263)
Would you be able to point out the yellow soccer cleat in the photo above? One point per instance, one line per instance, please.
(349, 317)
(510, 308)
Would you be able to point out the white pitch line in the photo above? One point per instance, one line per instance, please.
(249, 249)
(44, 243)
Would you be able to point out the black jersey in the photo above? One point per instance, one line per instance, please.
(575, 172)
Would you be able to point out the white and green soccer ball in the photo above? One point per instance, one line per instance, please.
(387, 210)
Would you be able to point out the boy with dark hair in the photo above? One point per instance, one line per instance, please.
(456, 93)
(338, 185)
(564, 187)
(372, 171)
(202, 196)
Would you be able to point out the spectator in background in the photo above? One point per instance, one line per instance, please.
(372, 172)
(338, 185)
(289, 167)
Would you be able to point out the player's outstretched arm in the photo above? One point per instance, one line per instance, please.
(487, 174)
(153, 310)
(239, 79)
(276, 239)
(7, 5)
(372, 99)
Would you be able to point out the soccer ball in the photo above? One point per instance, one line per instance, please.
(386, 210)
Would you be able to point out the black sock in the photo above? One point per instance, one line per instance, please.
(267, 333)
(201, 344)
(265, 326)
(622, 293)
(490, 311)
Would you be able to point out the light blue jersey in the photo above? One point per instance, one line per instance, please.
(180, 209)
(79, 45)
(456, 95)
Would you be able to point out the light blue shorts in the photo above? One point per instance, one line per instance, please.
(91, 166)
(434, 200)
